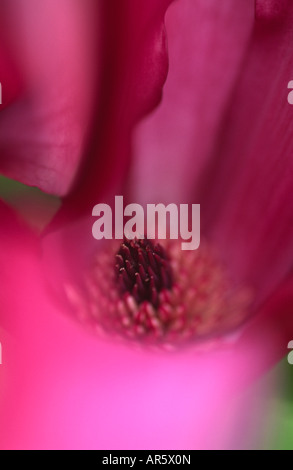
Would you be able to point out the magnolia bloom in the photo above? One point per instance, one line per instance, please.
(226, 308)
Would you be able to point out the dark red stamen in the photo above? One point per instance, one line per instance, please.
(143, 269)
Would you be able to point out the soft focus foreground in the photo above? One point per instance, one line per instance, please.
(63, 388)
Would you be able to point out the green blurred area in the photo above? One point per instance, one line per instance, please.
(278, 434)
(36, 207)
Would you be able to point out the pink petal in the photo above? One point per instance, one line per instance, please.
(207, 41)
(273, 327)
(43, 131)
(85, 85)
(249, 186)
(135, 69)
(270, 9)
(11, 81)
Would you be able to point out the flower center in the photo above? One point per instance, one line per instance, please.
(159, 295)
(143, 270)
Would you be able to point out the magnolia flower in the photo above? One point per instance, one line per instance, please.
(225, 308)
